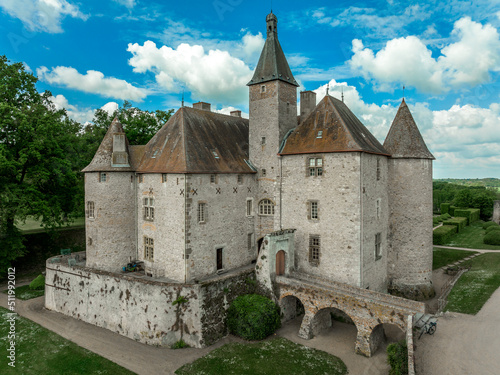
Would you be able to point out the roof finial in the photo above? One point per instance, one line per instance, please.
(182, 105)
(404, 92)
(327, 89)
(342, 88)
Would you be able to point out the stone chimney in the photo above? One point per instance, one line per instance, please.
(307, 103)
(202, 105)
(236, 113)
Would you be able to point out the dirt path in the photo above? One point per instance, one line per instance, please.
(467, 249)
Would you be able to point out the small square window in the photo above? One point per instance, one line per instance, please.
(240, 179)
(213, 179)
(263, 88)
(263, 141)
(264, 173)
(215, 154)
(103, 177)
(164, 177)
(320, 134)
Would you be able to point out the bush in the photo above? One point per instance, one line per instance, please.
(490, 224)
(397, 358)
(180, 345)
(445, 216)
(253, 317)
(451, 210)
(492, 238)
(442, 234)
(472, 214)
(445, 208)
(38, 283)
(492, 228)
(459, 222)
(435, 221)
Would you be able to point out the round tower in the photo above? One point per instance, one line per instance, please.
(409, 265)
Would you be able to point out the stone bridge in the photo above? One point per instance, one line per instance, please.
(367, 309)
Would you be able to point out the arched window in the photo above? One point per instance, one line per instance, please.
(266, 207)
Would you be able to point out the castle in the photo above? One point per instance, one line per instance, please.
(198, 200)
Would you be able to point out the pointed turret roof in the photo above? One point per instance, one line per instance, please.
(404, 139)
(103, 158)
(198, 141)
(331, 127)
(272, 63)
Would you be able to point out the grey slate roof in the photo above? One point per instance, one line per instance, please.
(404, 139)
(272, 63)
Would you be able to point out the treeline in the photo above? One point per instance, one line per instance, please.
(42, 152)
(465, 197)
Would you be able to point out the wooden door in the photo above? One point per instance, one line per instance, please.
(280, 263)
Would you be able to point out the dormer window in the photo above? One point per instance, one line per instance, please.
(320, 134)
(154, 154)
(216, 155)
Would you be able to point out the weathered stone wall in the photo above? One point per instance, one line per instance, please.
(226, 226)
(168, 227)
(339, 224)
(496, 212)
(111, 235)
(410, 227)
(375, 213)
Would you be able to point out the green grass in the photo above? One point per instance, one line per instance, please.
(471, 237)
(443, 257)
(24, 292)
(274, 357)
(475, 287)
(31, 226)
(40, 351)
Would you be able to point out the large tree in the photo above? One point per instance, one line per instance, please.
(37, 171)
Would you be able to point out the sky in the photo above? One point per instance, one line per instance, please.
(96, 54)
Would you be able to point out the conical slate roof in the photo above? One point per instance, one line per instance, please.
(404, 139)
(331, 127)
(103, 158)
(272, 63)
(198, 141)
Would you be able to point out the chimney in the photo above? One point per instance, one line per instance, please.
(202, 105)
(236, 113)
(307, 103)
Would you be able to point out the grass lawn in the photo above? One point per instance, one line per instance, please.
(31, 226)
(475, 287)
(442, 257)
(472, 238)
(274, 357)
(24, 292)
(40, 351)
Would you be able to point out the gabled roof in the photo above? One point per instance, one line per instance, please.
(102, 161)
(272, 63)
(341, 131)
(198, 141)
(404, 139)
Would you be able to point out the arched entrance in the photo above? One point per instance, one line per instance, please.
(280, 263)
(291, 307)
(384, 334)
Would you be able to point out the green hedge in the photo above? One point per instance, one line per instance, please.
(445, 216)
(435, 221)
(38, 283)
(397, 358)
(492, 238)
(451, 210)
(490, 224)
(442, 234)
(459, 222)
(445, 208)
(253, 317)
(472, 214)
(492, 228)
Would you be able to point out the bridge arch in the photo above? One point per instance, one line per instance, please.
(291, 307)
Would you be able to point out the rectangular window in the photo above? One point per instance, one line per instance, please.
(213, 179)
(149, 209)
(378, 246)
(164, 177)
(148, 249)
(314, 210)
(250, 241)
(249, 207)
(263, 88)
(378, 208)
(202, 212)
(263, 141)
(320, 134)
(90, 209)
(215, 154)
(140, 178)
(264, 173)
(103, 177)
(219, 259)
(315, 167)
(314, 248)
(240, 179)
(378, 169)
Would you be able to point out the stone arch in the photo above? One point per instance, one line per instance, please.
(385, 332)
(291, 307)
(325, 317)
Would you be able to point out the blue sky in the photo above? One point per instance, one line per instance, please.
(96, 54)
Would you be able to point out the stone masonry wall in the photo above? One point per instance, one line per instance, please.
(111, 234)
(496, 212)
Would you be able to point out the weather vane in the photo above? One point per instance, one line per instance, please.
(404, 91)
(182, 105)
(342, 94)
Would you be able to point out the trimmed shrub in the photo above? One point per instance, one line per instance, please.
(38, 283)
(459, 222)
(445, 208)
(492, 228)
(435, 221)
(397, 358)
(253, 317)
(451, 210)
(442, 234)
(492, 238)
(445, 216)
(490, 224)
(472, 214)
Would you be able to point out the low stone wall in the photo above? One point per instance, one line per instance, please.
(142, 308)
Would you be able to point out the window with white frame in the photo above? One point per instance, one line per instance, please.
(149, 249)
(315, 167)
(314, 249)
(213, 179)
(313, 210)
(103, 177)
(266, 207)
(249, 207)
(163, 177)
(90, 210)
(148, 204)
(202, 212)
(378, 246)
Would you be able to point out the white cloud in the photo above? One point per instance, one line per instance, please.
(228, 110)
(211, 75)
(81, 115)
(92, 82)
(127, 3)
(42, 15)
(466, 62)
